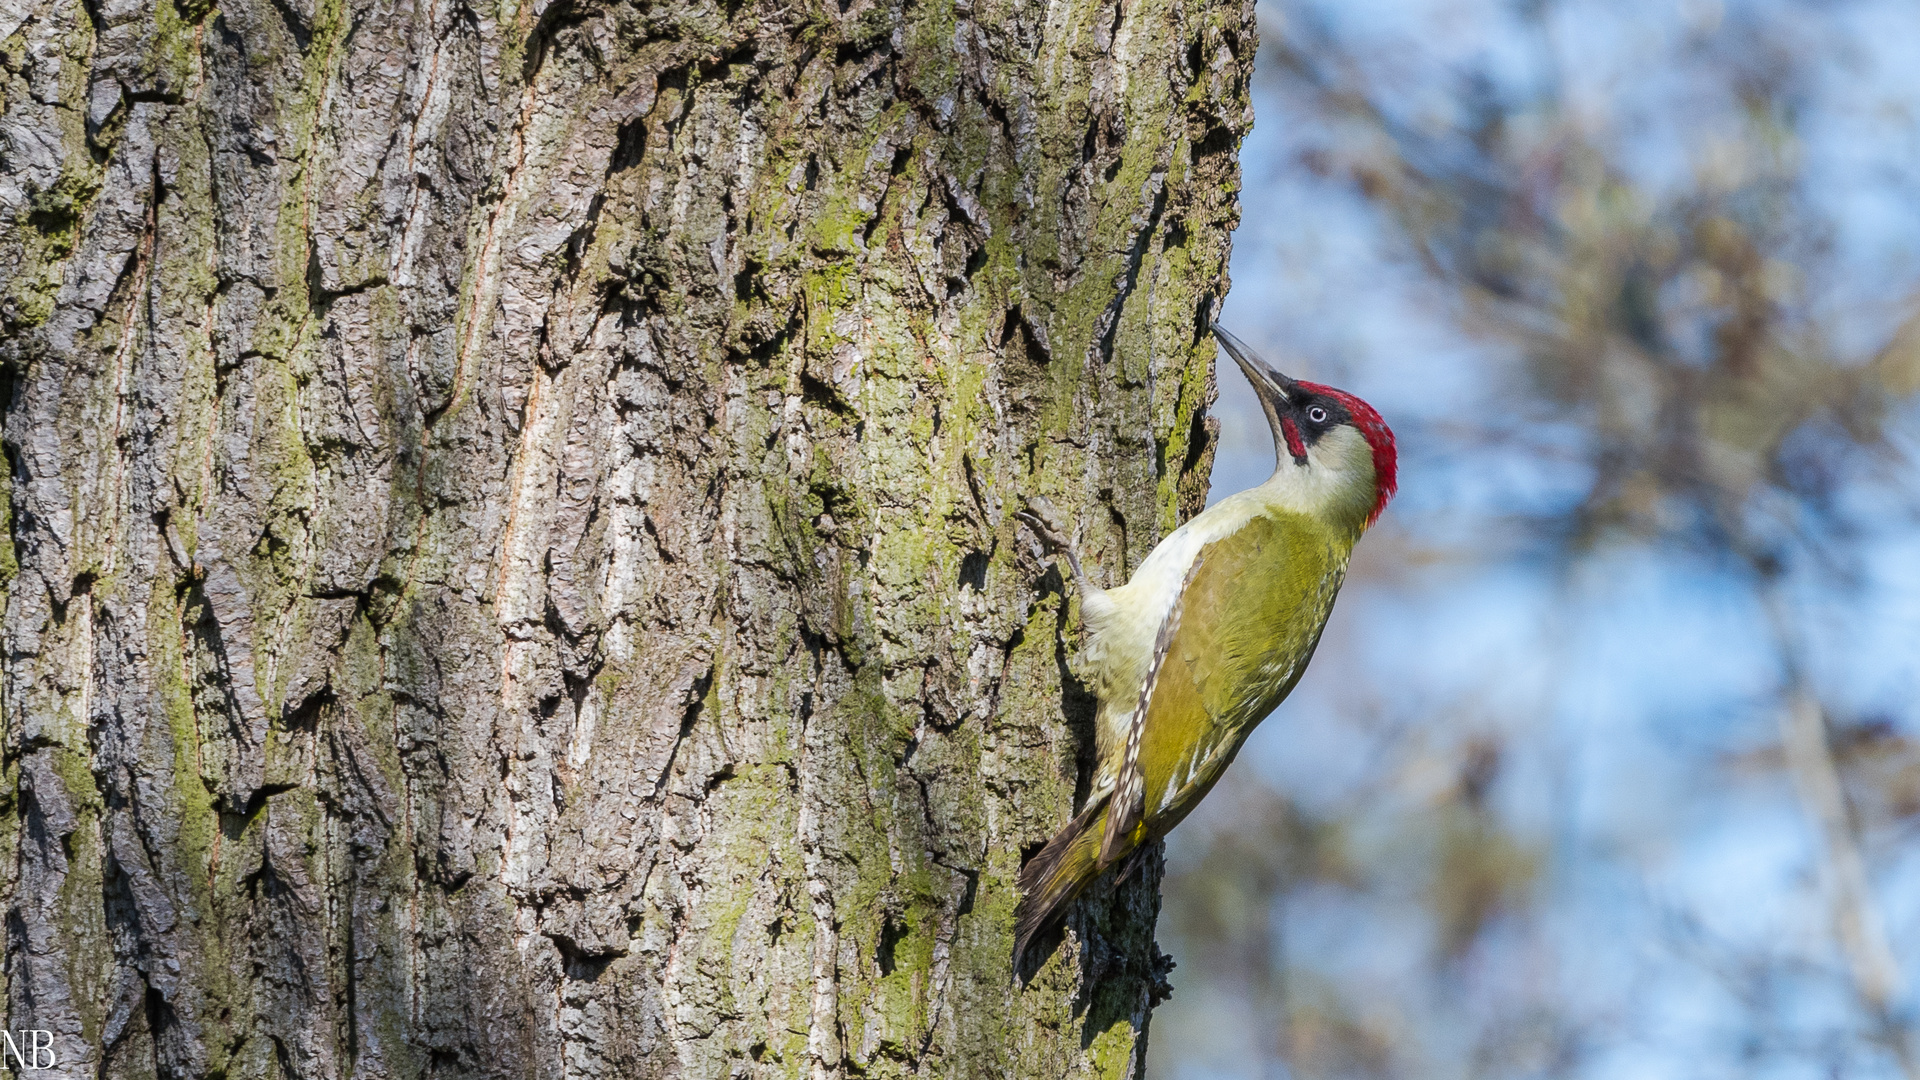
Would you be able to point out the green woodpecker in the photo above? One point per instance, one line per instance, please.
(1212, 631)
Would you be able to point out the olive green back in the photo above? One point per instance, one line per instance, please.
(1249, 619)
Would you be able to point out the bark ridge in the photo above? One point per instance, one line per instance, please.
(510, 565)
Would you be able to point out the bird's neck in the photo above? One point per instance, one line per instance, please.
(1335, 487)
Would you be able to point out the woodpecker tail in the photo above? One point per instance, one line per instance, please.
(1057, 876)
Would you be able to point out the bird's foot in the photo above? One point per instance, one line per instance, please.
(1044, 520)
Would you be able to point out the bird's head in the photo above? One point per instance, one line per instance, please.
(1333, 454)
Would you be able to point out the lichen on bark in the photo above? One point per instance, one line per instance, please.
(511, 567)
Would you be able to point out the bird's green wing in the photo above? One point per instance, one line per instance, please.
(1231, 650)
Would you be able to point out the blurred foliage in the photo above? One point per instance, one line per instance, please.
(1480, 871)
(1674, 325)
(1698, 332)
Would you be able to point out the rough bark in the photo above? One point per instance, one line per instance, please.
(512, 568)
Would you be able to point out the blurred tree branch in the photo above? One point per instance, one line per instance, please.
(1686, 327)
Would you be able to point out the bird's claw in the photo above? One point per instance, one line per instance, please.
(1044, 520)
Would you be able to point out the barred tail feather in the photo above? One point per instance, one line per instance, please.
(1057, 876)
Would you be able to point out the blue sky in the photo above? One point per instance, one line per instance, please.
(1680, 915)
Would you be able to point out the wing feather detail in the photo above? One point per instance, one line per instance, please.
(1249, 620)
(1128, 805)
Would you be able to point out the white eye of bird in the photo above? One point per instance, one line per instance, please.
(1317, 415)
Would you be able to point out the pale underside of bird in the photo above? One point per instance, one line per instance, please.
(1212, 631)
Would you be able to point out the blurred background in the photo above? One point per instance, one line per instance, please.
(1609, 763)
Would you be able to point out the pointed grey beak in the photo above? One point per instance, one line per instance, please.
(1258, 372)
(1275, 392)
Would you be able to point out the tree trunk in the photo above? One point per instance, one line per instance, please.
(513, 569)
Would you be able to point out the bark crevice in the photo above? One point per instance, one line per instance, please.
(510, 565)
